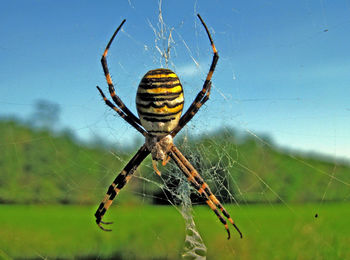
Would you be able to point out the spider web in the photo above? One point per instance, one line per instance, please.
(221, 164)
(216, 170)
(194, 247)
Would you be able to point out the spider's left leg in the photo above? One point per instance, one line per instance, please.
(122, 114)
(202, 187)
(204, 94)
(118, 184)
(114, 96)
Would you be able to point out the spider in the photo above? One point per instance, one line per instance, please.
(159, 103)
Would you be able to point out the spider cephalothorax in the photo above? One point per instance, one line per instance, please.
(159, 103)
(159, 148)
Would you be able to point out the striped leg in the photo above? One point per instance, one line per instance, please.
(122, 114)
(204, 94)
(118, 184)
(202, 188)
(114, 96)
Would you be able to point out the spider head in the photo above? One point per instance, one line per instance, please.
(159, 147)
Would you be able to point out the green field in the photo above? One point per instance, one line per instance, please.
(274, 231)
(47, 180)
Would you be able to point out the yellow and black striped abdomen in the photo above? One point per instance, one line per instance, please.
(159, 101)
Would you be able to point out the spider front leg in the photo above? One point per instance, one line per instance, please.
(116, 99)
(122, 114)
(202, 188)
(118, 184)
(204, 94)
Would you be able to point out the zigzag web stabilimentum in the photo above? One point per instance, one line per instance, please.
(175, 186)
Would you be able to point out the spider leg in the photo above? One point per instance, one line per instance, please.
(118, 184)
(122, 114)
(204, 94)
(114, 96)
(166, 160)
(155, 168)
(202, 188)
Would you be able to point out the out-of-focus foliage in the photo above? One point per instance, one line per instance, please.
(39, 166)
(255, 170)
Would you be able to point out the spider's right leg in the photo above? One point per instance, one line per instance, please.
(203, 189)
(114, 96)
(204, 94)
(118, 184)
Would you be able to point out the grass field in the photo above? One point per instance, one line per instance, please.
(157, 232)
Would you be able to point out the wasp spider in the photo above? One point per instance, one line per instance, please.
(159, 103)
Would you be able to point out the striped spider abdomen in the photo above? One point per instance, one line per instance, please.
(159, 101)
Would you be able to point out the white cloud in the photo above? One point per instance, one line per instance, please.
(188, 70)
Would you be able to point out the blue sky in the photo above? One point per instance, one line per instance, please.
(284, 67)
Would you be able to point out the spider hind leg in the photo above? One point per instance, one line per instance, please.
(202, 188)
(120, 181)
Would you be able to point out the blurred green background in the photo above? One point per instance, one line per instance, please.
(288, 205)
(272, 142)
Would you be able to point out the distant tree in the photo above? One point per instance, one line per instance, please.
(45, 115)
